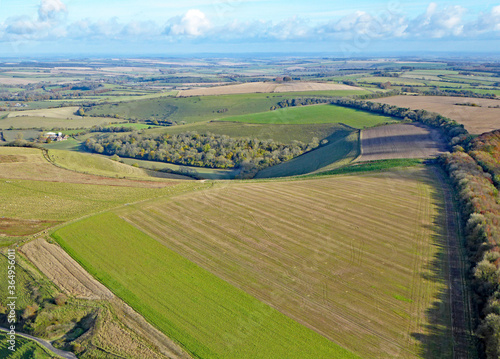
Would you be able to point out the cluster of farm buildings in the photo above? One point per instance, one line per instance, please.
(55, 136)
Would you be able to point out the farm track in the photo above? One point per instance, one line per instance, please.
(459, 297)
(45, 344)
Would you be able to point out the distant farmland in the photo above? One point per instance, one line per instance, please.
(266, 87)
(476, 119)
(358, 259)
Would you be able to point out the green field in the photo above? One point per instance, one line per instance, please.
(49, 123)
(135, 126)
(343, 147)
(33, 189)
(365, 293)
(196, 109)
(201, 172)
(208, 316)
(29, 135)
(278, 132)
(69, 145)
(315, 114)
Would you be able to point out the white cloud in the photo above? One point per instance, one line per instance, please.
(385, 24)
(143, 28)
(438, 23)
(50, 9)
(193, 23)
(46, 25)
(290, 29)
(485, 23)
(23, 25)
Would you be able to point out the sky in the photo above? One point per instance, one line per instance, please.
(168, 28)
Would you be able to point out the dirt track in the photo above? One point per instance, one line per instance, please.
(476, 119)
(459, 299)
(400, 141)
(68, 275)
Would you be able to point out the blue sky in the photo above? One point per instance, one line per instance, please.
(163, 27)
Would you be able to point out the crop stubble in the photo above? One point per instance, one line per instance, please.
(343, 256)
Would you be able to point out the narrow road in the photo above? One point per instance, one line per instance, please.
(458, 293)
(44, 343)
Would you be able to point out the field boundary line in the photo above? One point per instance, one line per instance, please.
(457, 282)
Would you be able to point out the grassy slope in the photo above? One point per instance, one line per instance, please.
(208, 316)
(201, 172)
(102, 166)
(278, 132)
(314, 115)
(196, 109)
(342, 148)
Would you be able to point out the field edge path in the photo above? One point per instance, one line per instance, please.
(459, 295)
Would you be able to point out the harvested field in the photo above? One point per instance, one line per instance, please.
(62, 112)
(266, 87)
(313, 86)
(22, 227)
(64, 271)
(20, 81)
(476, 120)
(208, 316)
(400, 141)
(359, 259)
(251, 87)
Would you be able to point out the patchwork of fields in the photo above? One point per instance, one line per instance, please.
(348, 257)
(350, 260)
(208, 316)
(477, 119)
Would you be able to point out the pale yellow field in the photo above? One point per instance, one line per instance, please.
(61, 112)
(313, 86)
(265, 87)
(251, 87)
(476, 120)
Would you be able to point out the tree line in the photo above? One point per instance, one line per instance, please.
(201, 150)
(473, 167)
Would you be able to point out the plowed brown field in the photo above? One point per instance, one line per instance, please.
(400, 141)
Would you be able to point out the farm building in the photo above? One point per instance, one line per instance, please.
(55, 136)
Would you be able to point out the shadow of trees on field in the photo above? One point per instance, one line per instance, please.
(437, 342)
